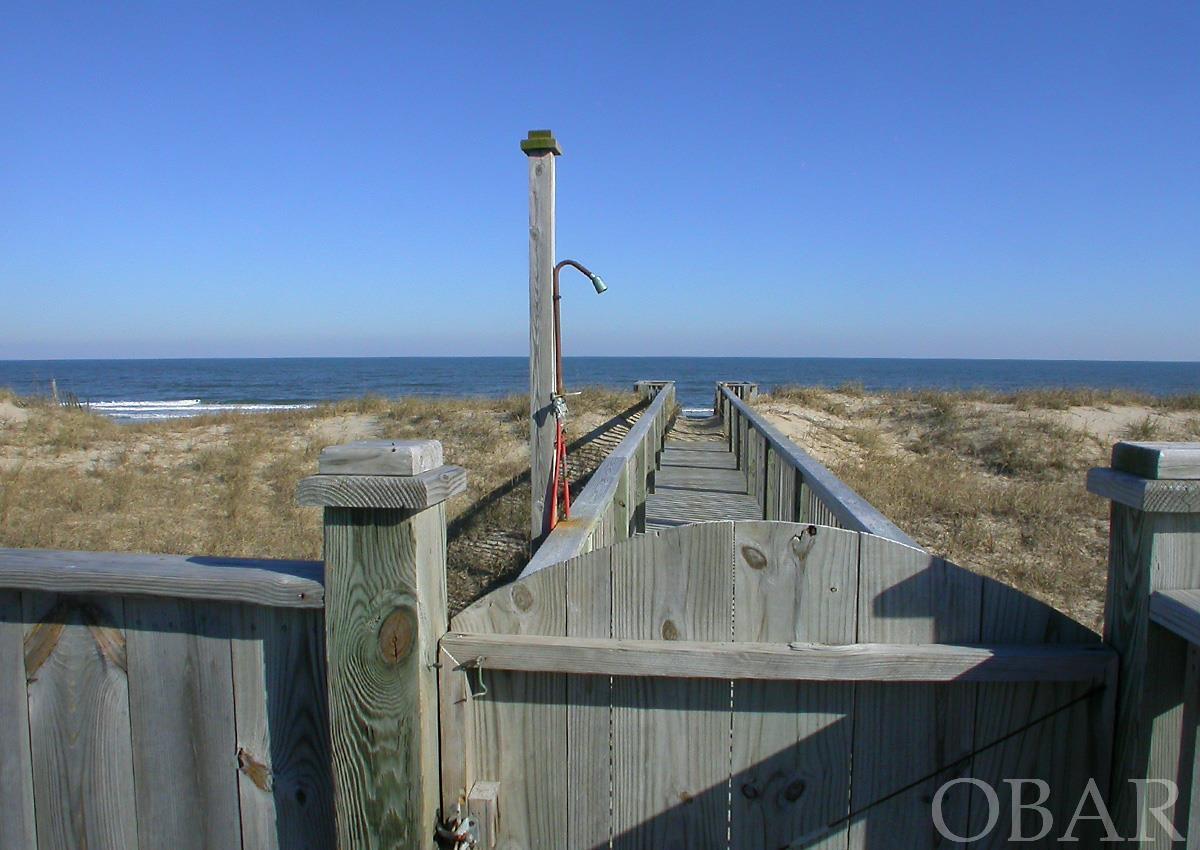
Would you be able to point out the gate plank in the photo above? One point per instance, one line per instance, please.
(902, 732)
(589, 769)
(79, 723)
(285, 780)
(1064, 749)
(181, 716)
(671, 738)
(519, 726)
(791, 741)
(16, 767)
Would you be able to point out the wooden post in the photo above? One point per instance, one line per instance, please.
(385, 610)
(1154, 544)
(541, 148)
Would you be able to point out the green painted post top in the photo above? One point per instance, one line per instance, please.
(540, 141)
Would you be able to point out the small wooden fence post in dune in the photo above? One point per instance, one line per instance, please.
(1152, 619)
(385, 584)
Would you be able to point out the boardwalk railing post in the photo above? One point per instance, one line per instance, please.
(385, 610)
(1154, 545)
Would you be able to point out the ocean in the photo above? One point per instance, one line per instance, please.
(132, 390)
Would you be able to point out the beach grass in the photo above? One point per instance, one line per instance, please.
(225, 484)
(993, 480)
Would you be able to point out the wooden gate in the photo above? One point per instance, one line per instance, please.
(763, 684)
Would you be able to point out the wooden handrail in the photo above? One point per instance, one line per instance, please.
(280, 584)
(851, 510)
(572, 537)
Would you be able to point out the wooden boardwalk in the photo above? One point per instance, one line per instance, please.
(699, 480)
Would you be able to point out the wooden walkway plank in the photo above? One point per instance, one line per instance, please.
(699, 480)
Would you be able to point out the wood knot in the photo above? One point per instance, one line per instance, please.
(750, 791)
(397, 635)
(255, 770)
(522, 598)
(669, 630)
(754, 558)
(793, 791)
(802, 544)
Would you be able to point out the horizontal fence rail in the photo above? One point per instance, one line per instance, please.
(286, 584)
(797, 661)
(789, 483)
(612, 506)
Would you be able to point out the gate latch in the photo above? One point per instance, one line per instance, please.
(460, 833)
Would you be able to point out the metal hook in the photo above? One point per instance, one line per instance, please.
(479, 672)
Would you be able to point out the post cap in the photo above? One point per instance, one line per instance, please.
(381, 457)
(540, 141)
(1179, 461)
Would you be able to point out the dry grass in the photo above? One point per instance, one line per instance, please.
(994, 481)
(224, 485)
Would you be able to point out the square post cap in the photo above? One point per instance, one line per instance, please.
(406, 474)
(1151, 477)
(539, 142)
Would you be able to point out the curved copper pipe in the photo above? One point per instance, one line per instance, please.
(558, 367)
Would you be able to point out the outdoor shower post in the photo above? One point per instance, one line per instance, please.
(541, 149)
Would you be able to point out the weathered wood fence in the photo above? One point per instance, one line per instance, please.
(755, 684)
(612, 506)
(158, 701)
(789, 483)
(761, 683)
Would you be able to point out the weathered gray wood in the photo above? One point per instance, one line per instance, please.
(181, 716)
(483, 806)
(589, 699)
(385, 609)
(786, 662)
(295, 584)
(520, 724)
(456, 714)
(16, 765)
(417, 492)
(672, 789)
(284, 782)
(1144, 494)
(381, 457)
(1188, 807)
(542, 257)
(852, 511)
(791, 742)
(1178, 611)
(1062, 747)
(615, 480)
(1158, 460)
(1148, 551)
(903, 732)
(79, 723)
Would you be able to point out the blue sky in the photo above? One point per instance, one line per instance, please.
(929, 179)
